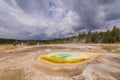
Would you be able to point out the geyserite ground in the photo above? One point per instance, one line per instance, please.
(22, 63)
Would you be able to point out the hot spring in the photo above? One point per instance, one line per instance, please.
(65, 57)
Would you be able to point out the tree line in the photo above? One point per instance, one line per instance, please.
(109, 36)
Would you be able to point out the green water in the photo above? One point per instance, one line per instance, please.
(64, 55)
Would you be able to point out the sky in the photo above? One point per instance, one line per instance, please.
(48, 19)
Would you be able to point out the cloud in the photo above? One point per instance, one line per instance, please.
(47, 19)
(104, 2)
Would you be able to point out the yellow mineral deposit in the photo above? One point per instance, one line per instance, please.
(65, 57)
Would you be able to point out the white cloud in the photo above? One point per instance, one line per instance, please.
(57, 24)
(42, 19)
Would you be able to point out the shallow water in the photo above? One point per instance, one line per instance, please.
(64, 55)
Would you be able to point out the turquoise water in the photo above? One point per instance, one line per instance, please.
(65, 55)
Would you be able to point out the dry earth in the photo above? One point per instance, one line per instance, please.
(22, 63)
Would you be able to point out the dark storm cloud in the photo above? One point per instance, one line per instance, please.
(96, 14)
(104, 2)
(46, 19)
(89, 12)
(112, 16)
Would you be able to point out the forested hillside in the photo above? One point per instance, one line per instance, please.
(110, 36)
